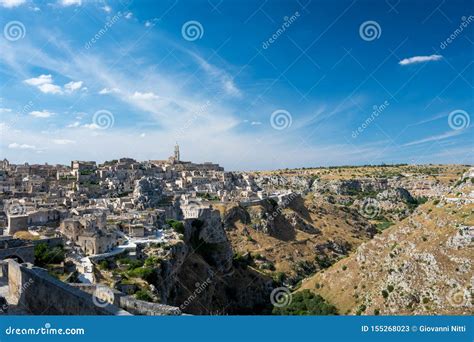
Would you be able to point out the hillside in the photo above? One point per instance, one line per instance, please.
(421, 265)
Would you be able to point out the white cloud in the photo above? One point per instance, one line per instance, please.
(255, 123)
(63, 141)
(74, 125)
(107, 8)
(109, 91)
(41, 114)
(70, 2)
(128, 15)
(420, 59)
(50, 88)
(73, 86)
(5, 110)
(21, 146)
(144, 96)
(11, 3)
(220, 75)
(45, 84)
(42, 79)
(91, 126)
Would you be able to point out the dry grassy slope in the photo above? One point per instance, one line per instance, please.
(446, 174)
(290, 246)
(427, 258)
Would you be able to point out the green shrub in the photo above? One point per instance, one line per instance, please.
(176, 225)
(390, 288)
(48, 255)
(146, 273)
(143, 295)
(306, 303)
(384, 294)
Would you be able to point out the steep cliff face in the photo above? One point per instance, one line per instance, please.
(423, 265)
(199, 274)
(147, 192)
(206, 236)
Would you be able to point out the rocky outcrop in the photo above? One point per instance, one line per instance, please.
(234, 214)
(271, 183)
(147, 193)
(207, 237)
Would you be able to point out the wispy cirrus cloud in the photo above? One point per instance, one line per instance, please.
(21, 146)
(434, 138)
(420, 59)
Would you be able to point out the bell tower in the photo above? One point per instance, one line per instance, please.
(176, 152)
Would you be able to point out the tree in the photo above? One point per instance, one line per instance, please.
(306, 303)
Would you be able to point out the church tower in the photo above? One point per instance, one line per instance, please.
(176, 152)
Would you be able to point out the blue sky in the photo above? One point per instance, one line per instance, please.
(251, 85)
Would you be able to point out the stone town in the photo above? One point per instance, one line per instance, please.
(97, 211)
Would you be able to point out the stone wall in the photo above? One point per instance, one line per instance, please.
(41, 294)
(130, 304)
